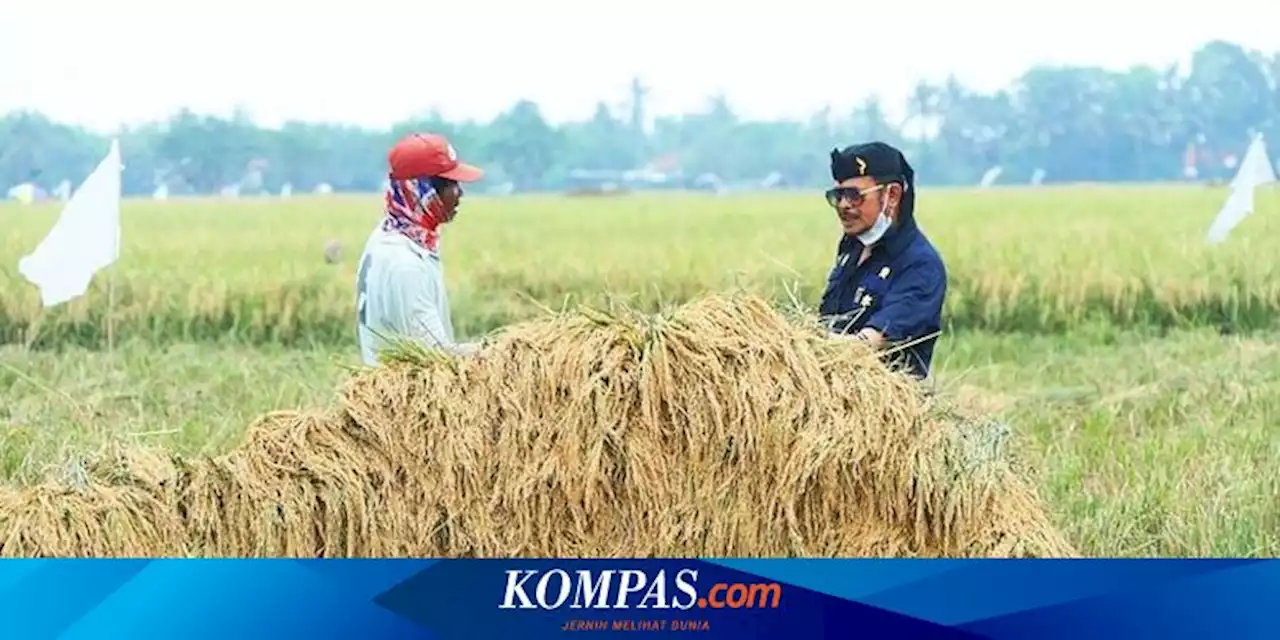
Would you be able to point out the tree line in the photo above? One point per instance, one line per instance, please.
(1067, 124)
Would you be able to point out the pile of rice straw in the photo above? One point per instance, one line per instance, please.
(721, 428)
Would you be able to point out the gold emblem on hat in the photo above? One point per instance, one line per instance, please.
(862, 165)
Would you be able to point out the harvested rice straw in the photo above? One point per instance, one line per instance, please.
(718, 429)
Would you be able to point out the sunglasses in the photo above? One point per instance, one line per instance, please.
(854, 195)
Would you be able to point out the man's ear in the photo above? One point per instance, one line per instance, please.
(894, 193)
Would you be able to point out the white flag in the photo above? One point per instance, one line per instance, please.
(1256, 167)
(1255, 170)
(85, 239)
(989, 178)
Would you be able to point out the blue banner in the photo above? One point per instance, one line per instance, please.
(789, 599)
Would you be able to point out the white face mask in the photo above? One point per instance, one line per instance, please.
(879, 227)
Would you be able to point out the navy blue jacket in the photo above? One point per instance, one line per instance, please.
(898, 291)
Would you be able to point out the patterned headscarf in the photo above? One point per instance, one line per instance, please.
(414, 209)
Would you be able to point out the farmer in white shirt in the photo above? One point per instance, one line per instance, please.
(400, 291)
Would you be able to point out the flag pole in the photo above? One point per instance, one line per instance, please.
(111, 310)
(111, 286)
(33, 331)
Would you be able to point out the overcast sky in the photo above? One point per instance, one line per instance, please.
(372, 62)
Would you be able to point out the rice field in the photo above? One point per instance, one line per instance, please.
(253, 271)
(1139, 367)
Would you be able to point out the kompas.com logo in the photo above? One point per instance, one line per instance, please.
(632, 589)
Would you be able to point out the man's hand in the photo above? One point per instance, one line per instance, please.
(868, 335)
(872, 337)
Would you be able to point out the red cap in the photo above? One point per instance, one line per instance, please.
(428, 155)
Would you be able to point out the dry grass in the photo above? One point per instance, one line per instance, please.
(719, 429)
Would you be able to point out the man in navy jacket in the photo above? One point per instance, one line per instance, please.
(889, 282)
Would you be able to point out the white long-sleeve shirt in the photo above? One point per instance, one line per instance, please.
(401, 294)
